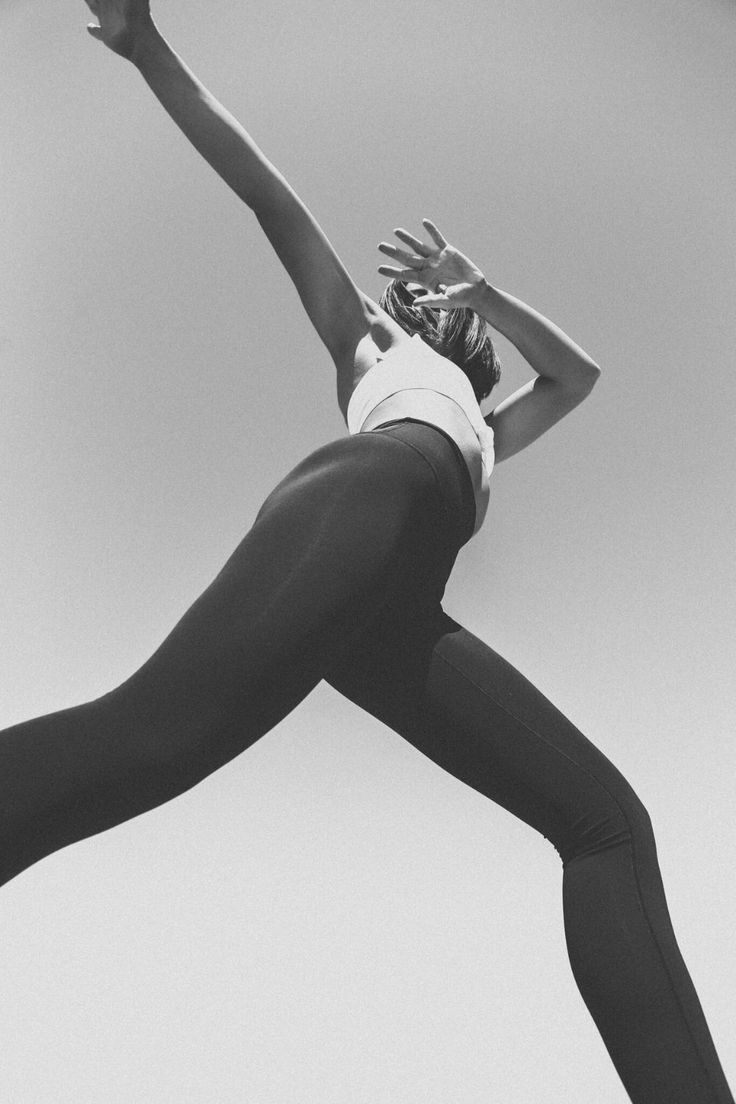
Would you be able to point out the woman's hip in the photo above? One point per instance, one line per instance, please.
(405, 477)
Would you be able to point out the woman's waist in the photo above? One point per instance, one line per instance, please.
(440, 411)
(452, 480)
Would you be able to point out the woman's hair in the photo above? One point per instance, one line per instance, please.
(459, 334)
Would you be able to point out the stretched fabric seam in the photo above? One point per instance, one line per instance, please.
(539, 736)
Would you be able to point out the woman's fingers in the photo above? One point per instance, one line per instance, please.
(434, 233)
(401, 255)
(407, 274)
(440, 301)
(416, 263)
(417, 246)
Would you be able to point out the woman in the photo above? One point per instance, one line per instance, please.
(342, 576)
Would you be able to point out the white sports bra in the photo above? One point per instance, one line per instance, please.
(413, 381)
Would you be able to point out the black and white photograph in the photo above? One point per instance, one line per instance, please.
(367, 552)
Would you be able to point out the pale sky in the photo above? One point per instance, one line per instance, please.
(331, 918)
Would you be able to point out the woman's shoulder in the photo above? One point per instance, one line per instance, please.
(383, 336)
(407, 356)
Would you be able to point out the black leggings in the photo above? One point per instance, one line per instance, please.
(341, 578)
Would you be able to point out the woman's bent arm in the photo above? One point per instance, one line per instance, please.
(544, 346)
(566, 374)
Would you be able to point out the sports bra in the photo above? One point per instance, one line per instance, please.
(413, 381)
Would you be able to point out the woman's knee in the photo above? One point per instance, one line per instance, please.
(615, 817)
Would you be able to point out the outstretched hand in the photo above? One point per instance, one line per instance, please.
(451, 278)
(120, 23)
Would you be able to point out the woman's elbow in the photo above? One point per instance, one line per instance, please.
(587, 378)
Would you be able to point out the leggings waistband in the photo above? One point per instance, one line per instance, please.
(447, 461)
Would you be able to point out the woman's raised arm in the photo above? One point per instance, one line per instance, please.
(349, 323)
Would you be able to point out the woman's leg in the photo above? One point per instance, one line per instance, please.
(468, 710)
(334, 541)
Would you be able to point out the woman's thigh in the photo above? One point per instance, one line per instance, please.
(329, 547)
(327, 550)
(466, 708)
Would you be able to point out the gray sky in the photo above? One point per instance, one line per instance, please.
(331, 917)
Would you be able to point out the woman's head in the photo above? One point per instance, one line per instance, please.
(460, 334)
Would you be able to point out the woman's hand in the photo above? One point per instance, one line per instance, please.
(450, 277)
(121, 22)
